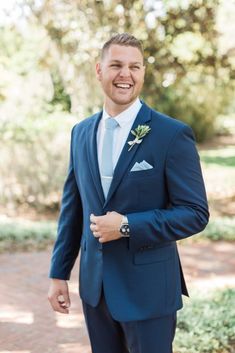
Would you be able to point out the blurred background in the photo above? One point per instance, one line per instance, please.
(48, 50)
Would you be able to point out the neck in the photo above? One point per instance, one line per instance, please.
(115, 109)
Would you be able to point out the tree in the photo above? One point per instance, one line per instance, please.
(186, 73)
(48, 80)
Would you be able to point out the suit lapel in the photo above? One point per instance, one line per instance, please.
(126, 156)
(93, 156)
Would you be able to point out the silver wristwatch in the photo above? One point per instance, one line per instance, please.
(124, 227)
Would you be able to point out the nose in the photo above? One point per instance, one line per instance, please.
(125, 71)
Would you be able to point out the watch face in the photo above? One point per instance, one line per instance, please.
(125, 229)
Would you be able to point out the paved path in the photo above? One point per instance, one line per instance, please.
(27, 325)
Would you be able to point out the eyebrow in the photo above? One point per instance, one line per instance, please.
(132, 63)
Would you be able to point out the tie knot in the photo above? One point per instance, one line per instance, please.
(111, 123)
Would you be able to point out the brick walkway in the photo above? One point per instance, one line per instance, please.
(28, 325)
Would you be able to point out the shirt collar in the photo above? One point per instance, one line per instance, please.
(127, 116)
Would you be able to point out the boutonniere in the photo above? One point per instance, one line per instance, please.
(139, 133)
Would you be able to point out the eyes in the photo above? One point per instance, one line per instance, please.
(119, 66)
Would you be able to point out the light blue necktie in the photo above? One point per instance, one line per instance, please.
(106, 168)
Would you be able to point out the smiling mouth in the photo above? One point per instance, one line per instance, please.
(123, 85)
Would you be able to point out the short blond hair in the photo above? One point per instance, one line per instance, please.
(124, 39)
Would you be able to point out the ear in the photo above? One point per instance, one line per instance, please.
(98, 71)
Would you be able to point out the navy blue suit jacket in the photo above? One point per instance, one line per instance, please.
(142, 276)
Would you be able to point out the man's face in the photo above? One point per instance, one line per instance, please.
(121, 73)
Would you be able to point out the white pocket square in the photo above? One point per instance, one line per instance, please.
(141, 166)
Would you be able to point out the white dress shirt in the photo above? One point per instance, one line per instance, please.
(125, 120)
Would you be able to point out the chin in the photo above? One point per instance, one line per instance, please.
(124, 101)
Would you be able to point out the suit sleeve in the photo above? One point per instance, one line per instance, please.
(70, 224)
(187, 213)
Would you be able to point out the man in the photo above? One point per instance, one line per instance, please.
(129, 196)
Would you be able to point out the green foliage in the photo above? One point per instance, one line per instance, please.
(206, 324)
(223, 157)
(25, 88)
(186, 73)
(221, 228)
(47, 69)
(60, 98)
(35, 160)
(26, 235)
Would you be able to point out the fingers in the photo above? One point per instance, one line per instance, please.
(98, 227)
(94, 227)
(58, 296)
(93, 218)
(58, 304)
(96, 234)
(66, 303)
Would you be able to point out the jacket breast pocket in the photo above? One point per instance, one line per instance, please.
(154, 255)
(142, 173)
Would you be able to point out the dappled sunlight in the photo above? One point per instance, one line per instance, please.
(206, 272)
(49, 84)
(213, 283)
(74, 348)
(69, 321)
(9, 314)
(220, 182)
(218, 166)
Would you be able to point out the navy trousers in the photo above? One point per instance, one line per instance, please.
(110, 336)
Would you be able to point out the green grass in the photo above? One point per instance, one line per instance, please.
(221, 161)
(223, 157)
(206, 324)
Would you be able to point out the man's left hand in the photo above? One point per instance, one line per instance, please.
(106, 228)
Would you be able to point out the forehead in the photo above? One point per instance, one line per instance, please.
(123, 53)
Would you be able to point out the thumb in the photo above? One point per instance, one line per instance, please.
(66, 298)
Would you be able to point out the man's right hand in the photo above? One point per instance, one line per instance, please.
(58, 295)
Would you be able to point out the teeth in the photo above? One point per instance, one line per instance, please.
(123, 85)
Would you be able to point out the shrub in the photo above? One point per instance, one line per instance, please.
(26, 235)
(35, 163)
(221, 228)
(206, 325)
